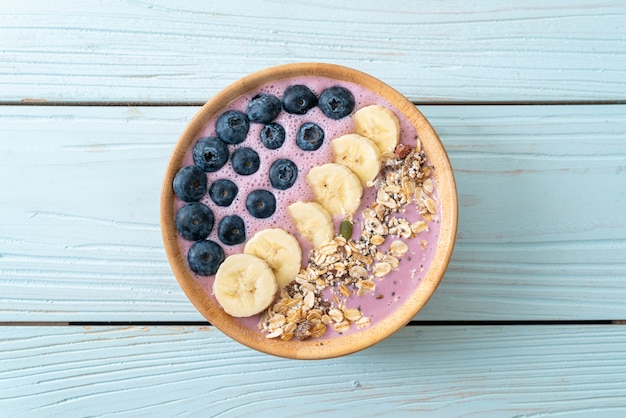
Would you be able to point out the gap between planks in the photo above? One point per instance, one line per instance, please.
(44, 102)
(410, 324)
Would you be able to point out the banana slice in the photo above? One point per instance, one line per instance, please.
(336, 188)
(312, 221)
(380, 125)
(280, 250)
(359, 154)
(244, 285)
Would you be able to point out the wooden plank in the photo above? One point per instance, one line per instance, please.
(522, 371)
(541, 192)
(432, 52)
(542, 224)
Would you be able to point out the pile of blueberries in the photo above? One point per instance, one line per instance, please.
(195, 221)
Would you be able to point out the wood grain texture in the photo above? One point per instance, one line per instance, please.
(524, 371)
(542, 226)
(154, 51)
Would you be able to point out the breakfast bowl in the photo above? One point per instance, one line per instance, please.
(309, 211)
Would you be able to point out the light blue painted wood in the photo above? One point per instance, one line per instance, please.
(524, 371)
(541, 192)
(542, 230)
(432, 51)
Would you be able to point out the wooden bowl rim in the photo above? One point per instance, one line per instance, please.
(346, 344)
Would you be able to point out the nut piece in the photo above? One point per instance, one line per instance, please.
(402, 151)
(303, 330)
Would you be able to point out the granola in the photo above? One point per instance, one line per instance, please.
(344, 267)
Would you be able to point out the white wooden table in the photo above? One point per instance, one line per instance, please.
(530, 101)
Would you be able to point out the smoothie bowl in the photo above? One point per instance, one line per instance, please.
(309, 211)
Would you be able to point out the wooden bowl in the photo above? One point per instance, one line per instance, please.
(314, 348)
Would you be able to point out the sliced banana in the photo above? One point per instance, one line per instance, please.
(336, 188)
(380, 125)
(312, 221)
(244, 285)
(359, 154)
(280, 250)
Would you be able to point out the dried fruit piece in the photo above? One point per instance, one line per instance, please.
(402, 150)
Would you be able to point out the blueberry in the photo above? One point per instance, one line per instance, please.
(231, 230)
(336, 102)
(232, 127)
(223, 192)
(310, 136)
(245, 161)
(283, 174)
(272, 135)
(205, 257)
(261, 203)
(194, 221)
(298, 99)
(210, 153)
(190, 183)
(263, 108)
